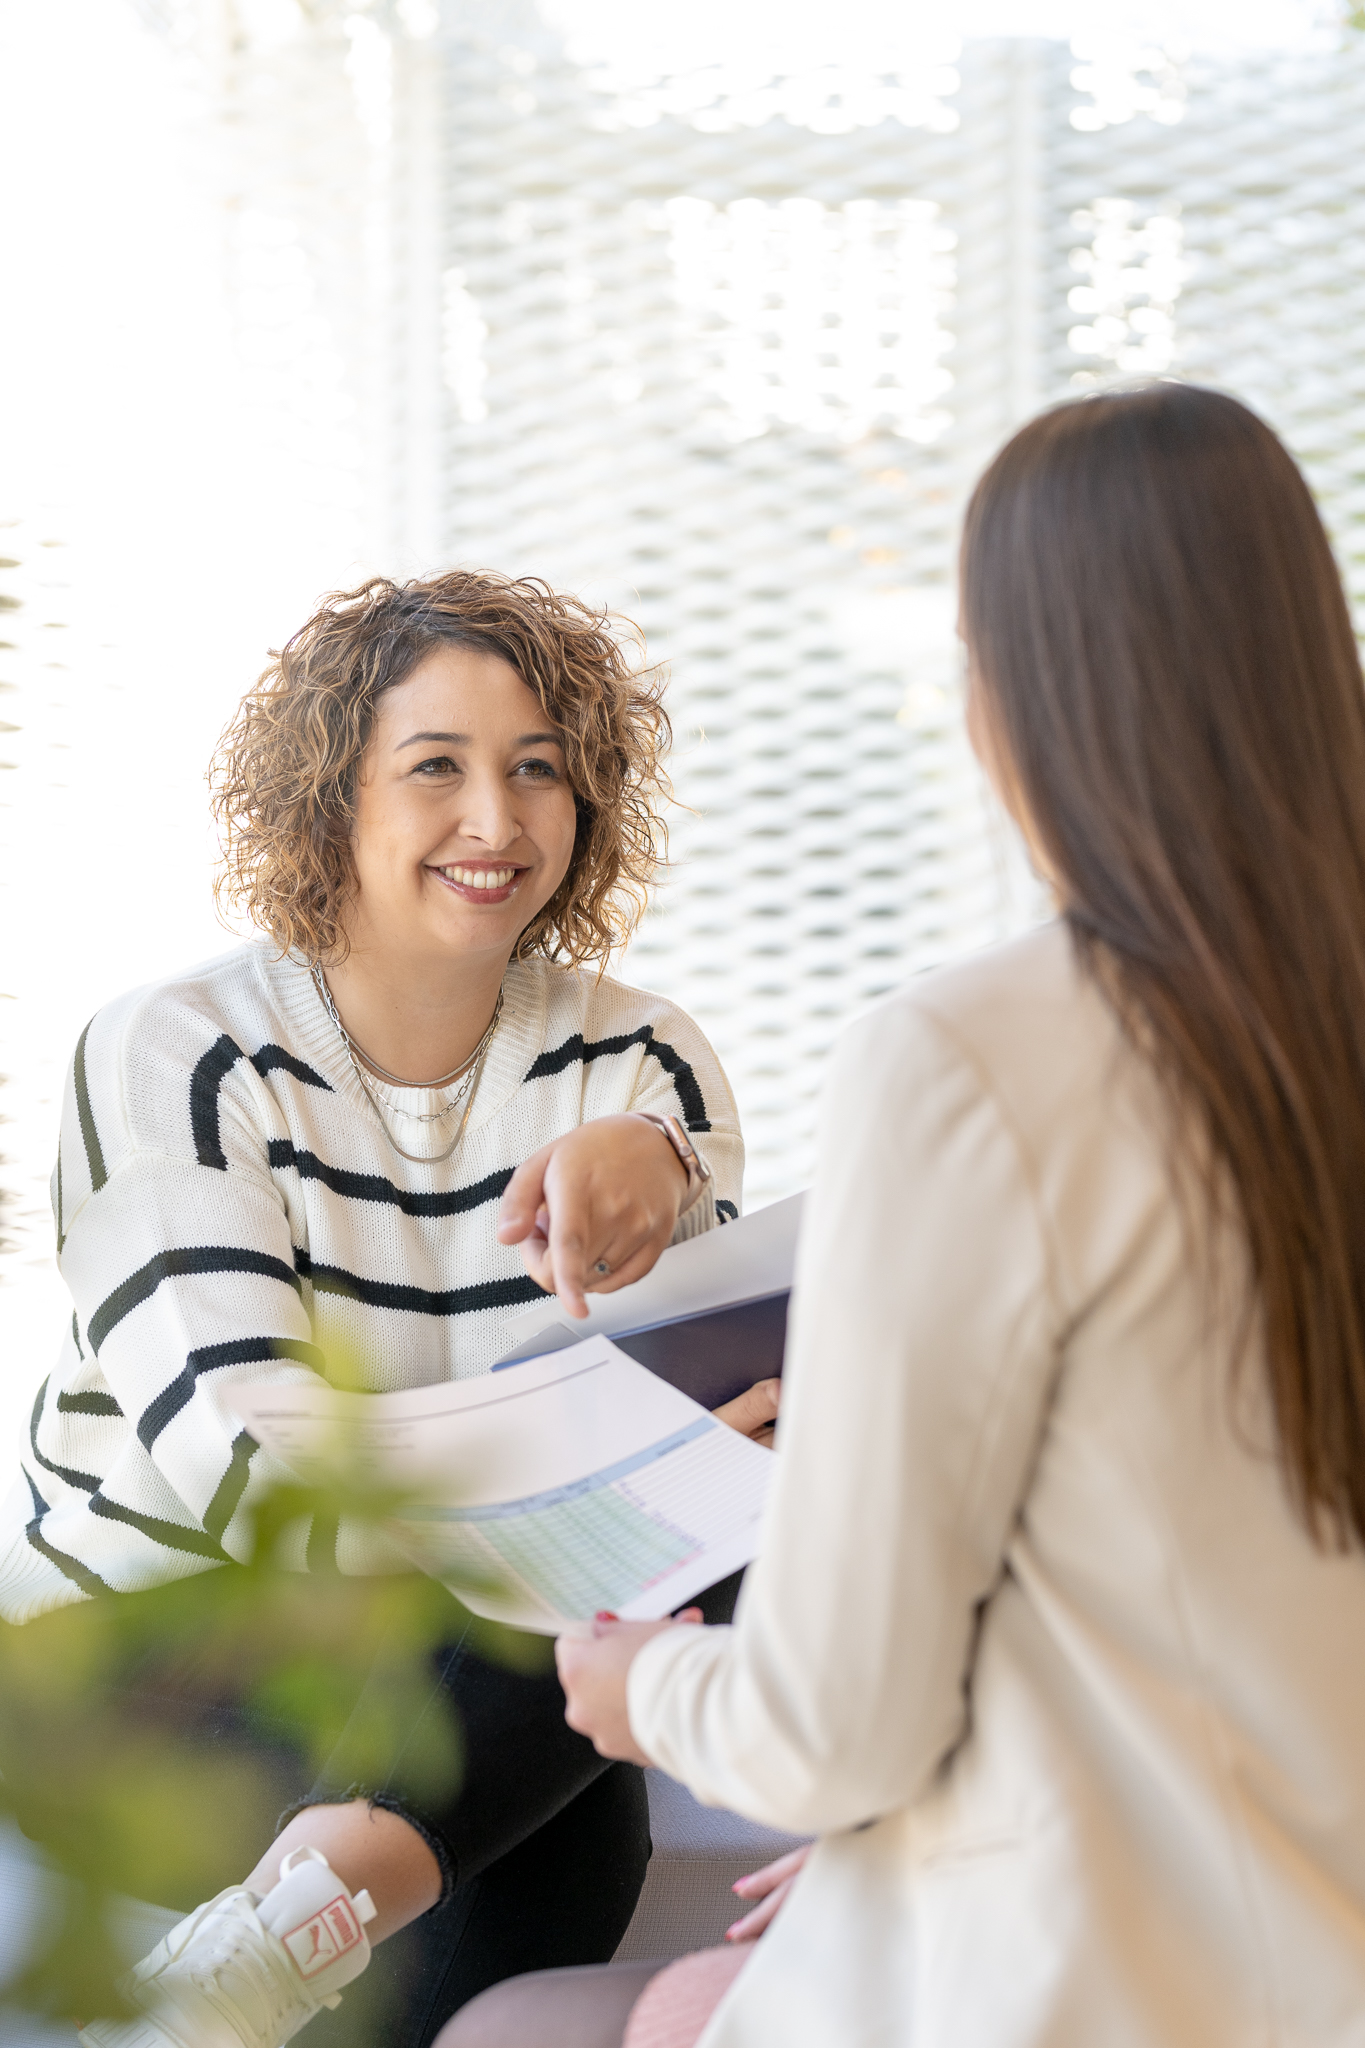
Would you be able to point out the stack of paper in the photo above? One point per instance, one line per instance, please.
(546, 1492)
(573, 1478)
(711, 1318)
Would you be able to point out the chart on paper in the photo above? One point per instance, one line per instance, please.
(609, 1539)
(544, 1492)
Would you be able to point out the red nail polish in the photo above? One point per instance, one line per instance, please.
(605, 1614)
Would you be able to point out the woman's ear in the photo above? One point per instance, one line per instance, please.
(977, 717)
(983, 730)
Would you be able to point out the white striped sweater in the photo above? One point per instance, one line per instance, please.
(228, 1208)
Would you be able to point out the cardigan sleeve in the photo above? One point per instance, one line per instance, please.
(919, 1373)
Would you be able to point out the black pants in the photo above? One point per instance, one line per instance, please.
(546, 1845)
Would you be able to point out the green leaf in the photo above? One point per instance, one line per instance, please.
(148, 1741)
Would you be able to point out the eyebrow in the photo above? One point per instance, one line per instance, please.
(465, 739)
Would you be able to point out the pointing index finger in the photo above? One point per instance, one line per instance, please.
(568, 1262)
(523, 1196)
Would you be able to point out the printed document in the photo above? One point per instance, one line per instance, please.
(545, 1492)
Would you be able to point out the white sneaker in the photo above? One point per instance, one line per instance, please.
(243, 1972)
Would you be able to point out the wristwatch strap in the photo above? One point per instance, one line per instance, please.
(698, 1172)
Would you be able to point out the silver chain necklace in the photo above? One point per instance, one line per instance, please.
(470, 1068)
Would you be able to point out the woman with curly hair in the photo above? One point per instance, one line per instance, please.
(414, 1105)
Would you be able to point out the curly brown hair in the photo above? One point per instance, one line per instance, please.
(284, 775)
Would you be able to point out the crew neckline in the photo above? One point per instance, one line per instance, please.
(312, 1036)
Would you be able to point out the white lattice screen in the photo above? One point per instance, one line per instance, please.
(700, 368)
(727, 354)
(738, 377)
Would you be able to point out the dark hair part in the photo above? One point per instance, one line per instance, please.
(1161, 639)
(284, 777)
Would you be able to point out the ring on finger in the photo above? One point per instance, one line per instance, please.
(601, 1266)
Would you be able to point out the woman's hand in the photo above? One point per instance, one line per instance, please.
(753, 1414)
(592, 1210)
(770, 1886)
(593, 1671)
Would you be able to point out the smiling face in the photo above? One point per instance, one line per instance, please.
(464, 817)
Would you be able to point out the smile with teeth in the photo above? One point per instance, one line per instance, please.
(480, 878)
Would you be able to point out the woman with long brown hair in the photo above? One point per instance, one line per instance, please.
(1057, 1639)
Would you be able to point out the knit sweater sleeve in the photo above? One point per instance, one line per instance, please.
(672, 1071)
(175, 1245)
(715, 1135)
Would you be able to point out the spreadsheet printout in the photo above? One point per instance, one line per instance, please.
(544, 1492)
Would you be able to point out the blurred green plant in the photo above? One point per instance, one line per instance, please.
(148, 1740)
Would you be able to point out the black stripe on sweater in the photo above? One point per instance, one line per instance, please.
(69, 1567)
(684, 1080)
(321, 1554)
(94, 1156)
(726, 1212)
(372, 1187)
(171, 1535)
(87, 1404)
(172, 1265)
(455, 1301)
(241, 1351)
(208, 1077)
(273, 1058)
(232, 1485)
(86, 1481)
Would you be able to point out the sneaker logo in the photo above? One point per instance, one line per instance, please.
(332, 1930)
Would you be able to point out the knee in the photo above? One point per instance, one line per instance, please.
(582, 2008)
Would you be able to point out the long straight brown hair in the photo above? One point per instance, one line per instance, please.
(1165, 655)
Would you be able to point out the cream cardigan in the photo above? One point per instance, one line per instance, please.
(1035, 1642)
